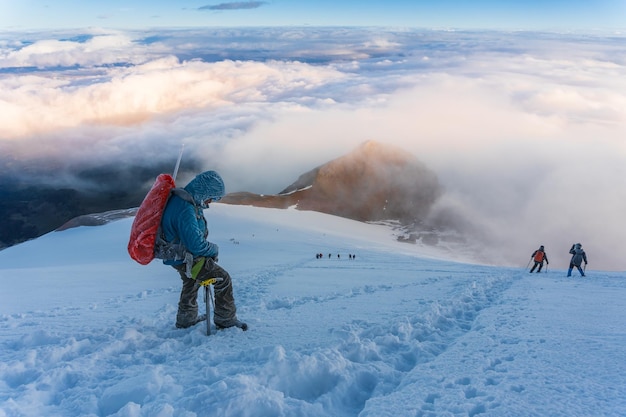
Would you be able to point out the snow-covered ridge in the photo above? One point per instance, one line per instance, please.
(297, 190)
(98, 219)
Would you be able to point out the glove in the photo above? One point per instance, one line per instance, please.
(197, 267)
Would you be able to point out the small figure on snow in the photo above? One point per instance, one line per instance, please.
(184, 223)
(578, 256)
(539, 256)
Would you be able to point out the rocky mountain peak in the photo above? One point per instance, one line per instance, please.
(374, 182)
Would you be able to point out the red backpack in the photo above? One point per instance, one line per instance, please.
(146, 226)
(538, 256)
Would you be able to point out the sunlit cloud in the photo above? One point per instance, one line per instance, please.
(35, 104)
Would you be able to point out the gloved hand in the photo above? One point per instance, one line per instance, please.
(197, 267)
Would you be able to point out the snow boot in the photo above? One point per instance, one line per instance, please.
(235, 323)
(201, 317)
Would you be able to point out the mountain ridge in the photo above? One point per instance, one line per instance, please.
(373, 182)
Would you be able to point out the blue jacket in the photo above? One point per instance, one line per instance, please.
(184, 221)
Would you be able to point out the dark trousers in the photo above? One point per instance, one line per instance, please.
(535, 266)
(224, 313)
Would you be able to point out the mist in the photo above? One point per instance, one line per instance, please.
(525, 131)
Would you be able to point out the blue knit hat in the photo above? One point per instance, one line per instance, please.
(207, 185)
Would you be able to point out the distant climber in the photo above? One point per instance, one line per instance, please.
(539, 256)
(578, 256)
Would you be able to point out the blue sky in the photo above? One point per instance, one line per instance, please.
(489, 14)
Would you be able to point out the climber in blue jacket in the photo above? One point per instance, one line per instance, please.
(183, 224)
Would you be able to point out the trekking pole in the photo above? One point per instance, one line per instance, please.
(208, 296)
(528, 264)
(180, 156)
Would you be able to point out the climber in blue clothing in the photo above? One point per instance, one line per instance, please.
(578, 256)
(183, 224)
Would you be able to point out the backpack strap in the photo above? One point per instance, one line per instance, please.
(185, 195)
(178, 250)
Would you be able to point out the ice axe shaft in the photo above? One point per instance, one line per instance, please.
(208, 299)
(180, 156)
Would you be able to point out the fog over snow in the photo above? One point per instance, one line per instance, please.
(524, 129)
(400, 330)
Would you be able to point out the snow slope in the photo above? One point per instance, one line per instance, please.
(398, 331)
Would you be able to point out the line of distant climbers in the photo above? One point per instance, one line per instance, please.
(330, 255)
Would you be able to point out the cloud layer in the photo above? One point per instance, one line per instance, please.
(525, 130)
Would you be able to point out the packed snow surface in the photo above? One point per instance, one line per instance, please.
(400, 330)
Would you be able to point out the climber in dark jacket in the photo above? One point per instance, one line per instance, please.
(539, 256)
(184, 223)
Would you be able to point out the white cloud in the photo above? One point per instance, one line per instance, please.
(33, 105)
(98, 50)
